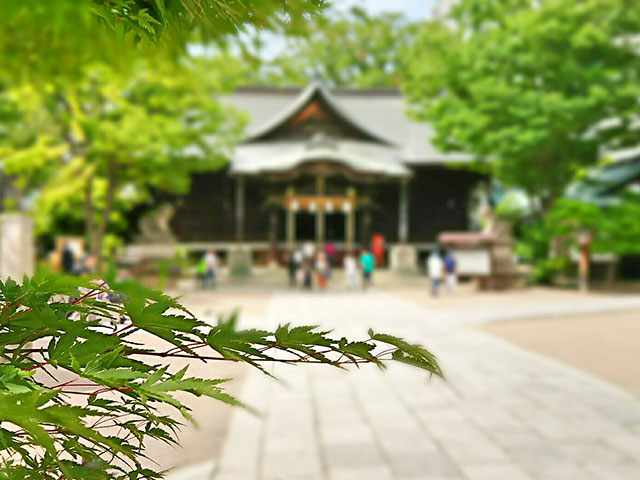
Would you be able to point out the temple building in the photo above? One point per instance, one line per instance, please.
(327, 165)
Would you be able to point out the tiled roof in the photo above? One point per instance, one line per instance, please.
(379, 112)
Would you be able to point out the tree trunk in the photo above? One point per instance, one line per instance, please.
(612, 270)
(89, 220)
(104, 222)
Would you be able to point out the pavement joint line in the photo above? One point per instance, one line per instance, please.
(425, 429)
(449, 331)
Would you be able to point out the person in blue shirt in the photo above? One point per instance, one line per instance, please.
(367, 265)
(450, 272)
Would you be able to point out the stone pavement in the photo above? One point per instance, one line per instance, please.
(503, 413)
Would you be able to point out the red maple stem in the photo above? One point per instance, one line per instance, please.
(19, 314)
(90, 293)
(315, 354)
(184, 348)
(111, 389)
(60, 385)
(34, 367)
(124, 329)
(99, 391)
(275, 345)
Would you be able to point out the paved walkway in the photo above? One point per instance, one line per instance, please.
(504, 413)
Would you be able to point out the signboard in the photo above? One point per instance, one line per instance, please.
(473, 262)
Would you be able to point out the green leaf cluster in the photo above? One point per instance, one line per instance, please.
(40, 39)
(346, 49)
(95, 148)
(81, 393)
(537, 90)
(614, 228)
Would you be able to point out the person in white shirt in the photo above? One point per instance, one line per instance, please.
(451, 272)
(211, 262)
(351, 271)
(435, 268)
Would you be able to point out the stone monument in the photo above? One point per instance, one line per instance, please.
(487, 255)
(403, 259)
(154, 226)
(239, 261)
(17, 252)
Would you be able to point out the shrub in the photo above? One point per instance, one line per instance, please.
(79, 396)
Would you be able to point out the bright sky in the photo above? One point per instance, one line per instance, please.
(413, 9)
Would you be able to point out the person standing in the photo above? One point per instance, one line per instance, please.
(322, 270)
(435, 267)
(68, 259)
(292, 268)
(211, 262)
(451, 272)
(351, 272)
(307, 274)
(309, 250)
(368, 265)
(330, 252)
(298, 259)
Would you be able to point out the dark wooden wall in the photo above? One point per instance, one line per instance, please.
(206, 212)
(438, 201)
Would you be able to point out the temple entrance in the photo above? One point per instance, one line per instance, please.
(334, 227)
(305, 226)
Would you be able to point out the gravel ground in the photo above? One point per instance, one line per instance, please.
(606, 345)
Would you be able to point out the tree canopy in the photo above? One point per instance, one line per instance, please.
(614, 228)
(106, 139)
(535, 90)
(347, 49)
(38, 39)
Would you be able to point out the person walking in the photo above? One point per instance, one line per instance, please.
(330, 253)
(368, 265)
(451, 272)
(322, 270)
(292, 268)
(351, 272)
(435, 267)
(307, 274)
(298, 259)
(211, 262)
(68, 259)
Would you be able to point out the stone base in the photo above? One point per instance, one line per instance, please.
(403, 259)
(239, 261)
(17, 253)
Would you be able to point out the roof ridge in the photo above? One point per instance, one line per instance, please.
(341, 91)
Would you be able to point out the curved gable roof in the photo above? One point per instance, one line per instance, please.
(316, 88)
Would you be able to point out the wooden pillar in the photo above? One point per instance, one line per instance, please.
(350, 219)
(319, 225)
(291, 220)
(366, 227)
(403, 212)
(240, 209)
(273, 235)
(584, 242)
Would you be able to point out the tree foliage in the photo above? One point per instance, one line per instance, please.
(615, 228)
(111, 138)
(352, 49)
(39, 39)
(536, 90)
(80, 392)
